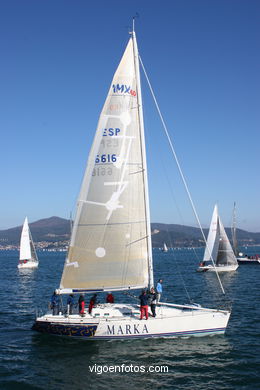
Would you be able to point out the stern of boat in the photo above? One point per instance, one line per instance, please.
(74, 326)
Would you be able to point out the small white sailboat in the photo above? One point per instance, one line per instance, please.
(110, 248)
(164, 249)
(218, 249)
(28, 256)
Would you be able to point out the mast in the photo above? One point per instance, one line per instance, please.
(143, 151)
(234, 230)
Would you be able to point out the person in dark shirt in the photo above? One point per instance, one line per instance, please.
(55, 303)
(153, 300)
(70, 303)
(81, 305)
(92, 303)
(143, 305)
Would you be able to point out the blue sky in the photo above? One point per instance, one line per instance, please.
(57, 62)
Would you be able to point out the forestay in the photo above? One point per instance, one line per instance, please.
(110, 240)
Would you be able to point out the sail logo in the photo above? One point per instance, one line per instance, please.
(122, 88)
(117, 330)
(110, 132)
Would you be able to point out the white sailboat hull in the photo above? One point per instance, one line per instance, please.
(118, 321)
(246, 260)
(28, 264)
(219, 268)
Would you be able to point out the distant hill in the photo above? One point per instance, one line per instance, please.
(181, 235)
(49, 229)
(55, 229)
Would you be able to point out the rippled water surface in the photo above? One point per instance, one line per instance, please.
(34, 361)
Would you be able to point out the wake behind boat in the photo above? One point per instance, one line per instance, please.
(218, 250)
(28, 256)
(110, 248)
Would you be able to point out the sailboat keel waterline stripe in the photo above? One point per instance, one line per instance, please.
(168, 334)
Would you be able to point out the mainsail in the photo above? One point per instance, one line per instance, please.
(27, 249)
(110, 245)
(225, 252)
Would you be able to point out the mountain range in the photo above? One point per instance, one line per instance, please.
(55, 230)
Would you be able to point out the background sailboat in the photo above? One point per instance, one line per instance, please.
(218, 249)
(110, 245)
(164, 249)
(28, 256)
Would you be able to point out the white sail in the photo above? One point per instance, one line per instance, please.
(27, 249)
(211, 249)
(218, 246)
(226, 255)
(110, 240)
(165, 249)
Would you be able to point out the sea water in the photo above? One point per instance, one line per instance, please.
(30, 360)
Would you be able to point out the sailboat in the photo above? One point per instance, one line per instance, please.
(110, 248)
(218, 249)
(164, 249)
(28, 256)
(241, 258)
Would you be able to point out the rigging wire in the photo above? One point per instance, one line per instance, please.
(179, 169)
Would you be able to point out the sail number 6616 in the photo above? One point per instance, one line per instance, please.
(105, 158)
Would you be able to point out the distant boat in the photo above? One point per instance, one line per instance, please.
(110, 247)
(218, 249)
(246, 259)
(28, 256)
(164, 249)
(241, 258)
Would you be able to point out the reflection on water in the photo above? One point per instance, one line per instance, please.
(185, 358)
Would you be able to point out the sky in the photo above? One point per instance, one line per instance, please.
(202, 58)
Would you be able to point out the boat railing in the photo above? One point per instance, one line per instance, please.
(191, 307)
